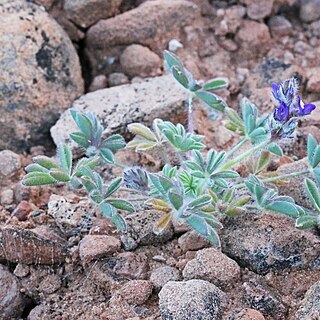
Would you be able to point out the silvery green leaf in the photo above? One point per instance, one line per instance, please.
(316, 157)
(83, 123)
(59, 175)
(175, 199)
(107, 209)
(171, 60)
(275, 149)
(88, 184)
(263, 161)
(114, 142)
(198, 174)
(316, 173)
(306, 222)
(37, 179)
(80, 139)
(216, 84)
(225, 175)
(211, 99)
(311, 146)
(216, 162)
(313, 193)
(45, 162)
(113, 187)
(286, 208)
(119, 221)
(199, 202)
(107, 155)
(180, 76)
(228, 195)
(193, 166)
(65, 158)
(34, 167)
(203, 228)
(121, 204)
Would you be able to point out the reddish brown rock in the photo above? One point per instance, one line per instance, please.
(85, 13)
(254, 39)
(249, 314)
(11, 300)
(213, 266)
(313, 84)
(99, 82)
(152, 24)
(191, 241)
(34, 246)
(22, 211)
(93, 247)
(135, 292)
(40, 73)
(137, 60)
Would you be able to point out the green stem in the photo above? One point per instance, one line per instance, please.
(243, 156)
(237, 147)
(277, 178)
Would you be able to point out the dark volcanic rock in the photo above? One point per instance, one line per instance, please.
(268, 242)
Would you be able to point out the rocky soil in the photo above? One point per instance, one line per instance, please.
(60, 259)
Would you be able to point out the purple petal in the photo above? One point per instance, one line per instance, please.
(308, 108)
(275, 89)
(305, 109)
(281, 113)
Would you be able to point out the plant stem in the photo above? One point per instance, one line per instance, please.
(236, 147)
(277, 178)
(190, 113)
(243, 156)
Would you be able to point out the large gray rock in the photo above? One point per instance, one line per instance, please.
(193, 299)
(11, 300)
(309, 10)
(160, 97)
(40, 74)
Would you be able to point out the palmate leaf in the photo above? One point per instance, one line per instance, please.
(83, 122)
(114, 142)
(109, 212)
(287, 208)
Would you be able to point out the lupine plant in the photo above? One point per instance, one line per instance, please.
(197, 186)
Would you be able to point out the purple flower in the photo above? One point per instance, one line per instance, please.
(281, 113)
(288, 108)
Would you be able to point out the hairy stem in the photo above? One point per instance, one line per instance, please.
(277, 178)
(243, 156)
(236, 147)
(190, 113)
